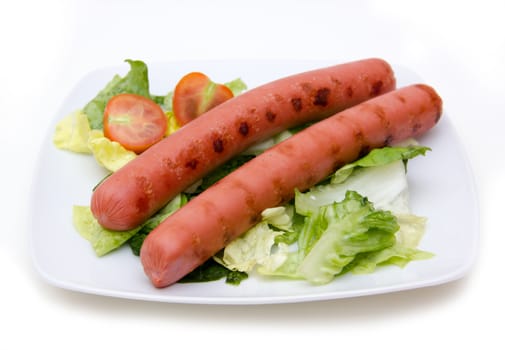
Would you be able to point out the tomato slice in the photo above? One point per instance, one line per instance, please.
(195, 94)
(134, 121)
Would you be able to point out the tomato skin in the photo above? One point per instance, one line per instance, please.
(134, 121)
(195, 94)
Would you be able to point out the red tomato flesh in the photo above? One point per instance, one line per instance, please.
(195, 94)
(134, 121)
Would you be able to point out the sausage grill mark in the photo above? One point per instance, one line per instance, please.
(279, 190)
(349, 91)
(389, 140)
(435, 99)
(142, 202)
(321, 97)
(336, 82)
(297, 104)
(416, 127)
(379, 112)
(191, 163)
(243, 128)
(255, 215)
(270, 116)
(364, 150)
(401, 98)
(376, 88)
(218, 145)
(228, 236)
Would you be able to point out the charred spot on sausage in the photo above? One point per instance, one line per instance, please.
(321, 97)
(364, 150)
(297, 104)
(360, 140)
(309, 181)
(228, 236)
(416, 127)
(270, 116)
(435, 99)
(336, 81)
(335, 150)
(243, 128)
(389, 140)
(142, 202)
(376, 88)
(255, 218)
(218, 145)
(307, 87)
(385, 122)
(191, 163)
(349, 91)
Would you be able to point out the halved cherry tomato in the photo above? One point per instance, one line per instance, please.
(195, 94)
(134, 121)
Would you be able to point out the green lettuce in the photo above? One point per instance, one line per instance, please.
(255, 246)
(245, 252)
(354, 225)
(380, 176)
(211, 270)
(395, 255)
(135, 82)
(104, 241)
(165, 101)
(378, 157)
(237, 86)
(349, 227)
(137, 239)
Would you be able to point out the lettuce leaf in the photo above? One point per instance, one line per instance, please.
(165, 101)
(397, 254)
(211, 270)
(334, 228)
(386, 186)
(380, 176)
(353, 226)
(134, 82)
(255, 246)
(237, 86)
(72, 133)
(137, 240)
(380, 156)
(245, 252)
(109, 154)
(172, 124)
(104, 241)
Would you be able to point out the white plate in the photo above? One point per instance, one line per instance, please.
(441, 186)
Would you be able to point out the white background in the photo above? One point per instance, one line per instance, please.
(48, 46)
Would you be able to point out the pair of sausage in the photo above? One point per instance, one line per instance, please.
(223, 212)
(142, 187)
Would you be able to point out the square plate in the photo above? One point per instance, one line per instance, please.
(441, 188)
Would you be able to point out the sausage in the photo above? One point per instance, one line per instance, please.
(135, 192)
(234, 204)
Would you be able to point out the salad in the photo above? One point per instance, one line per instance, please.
(353, 222)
